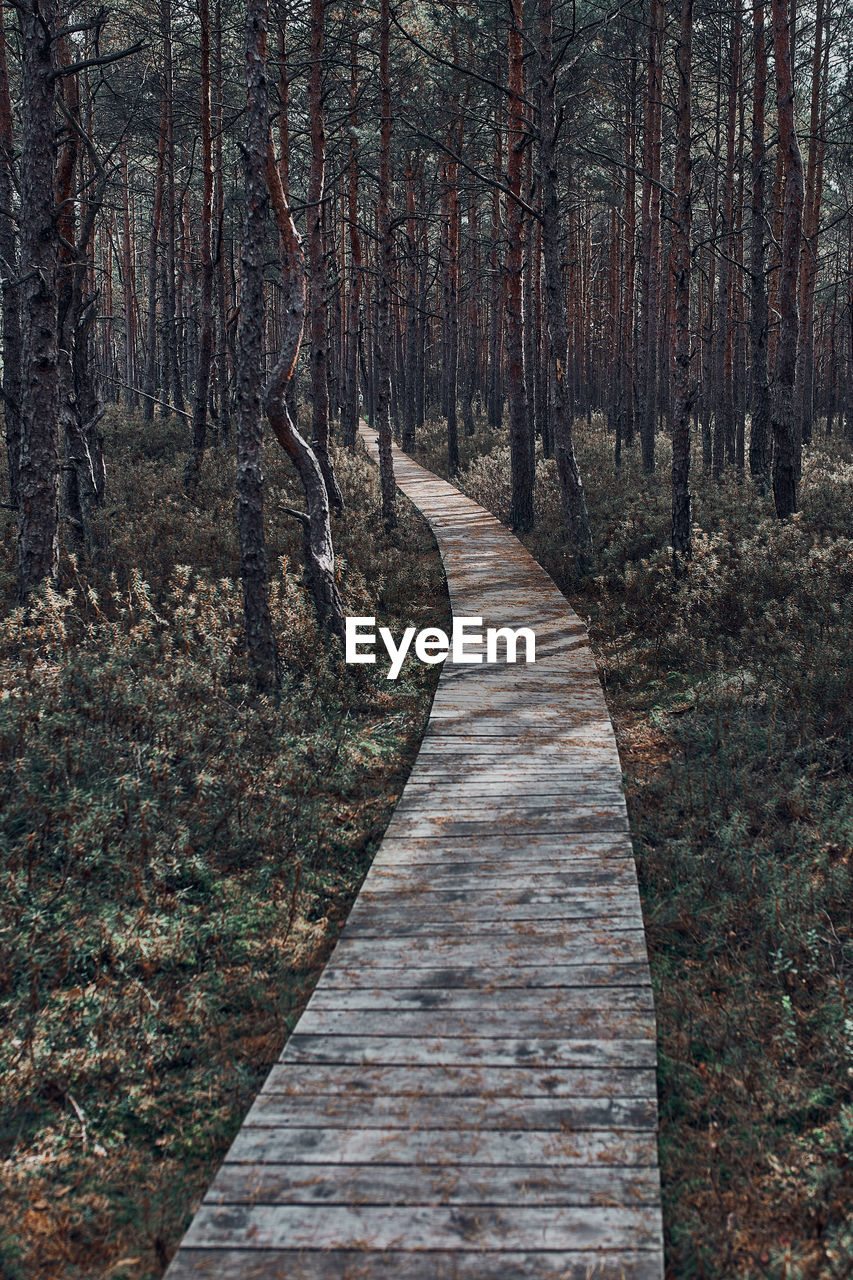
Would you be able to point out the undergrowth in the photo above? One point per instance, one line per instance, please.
(176, 856)
(732, 695)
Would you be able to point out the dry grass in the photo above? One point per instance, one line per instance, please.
(177, 856)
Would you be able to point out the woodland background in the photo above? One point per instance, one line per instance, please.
(595, 264)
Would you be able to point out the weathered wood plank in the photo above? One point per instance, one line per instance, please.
(286, 1264)
(507, 949)
(622, 1148)
(445, 1082)
(423, 1228)
(340, 1111)
(349, 976)
(488, 998)
(468, 1050)
(567, 1023)
(446, 1184)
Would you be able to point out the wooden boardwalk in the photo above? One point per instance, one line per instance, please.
(470, 1092)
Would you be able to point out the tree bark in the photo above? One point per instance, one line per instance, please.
(39, 471)
(317, 266)
(521, 513)
(262, 649)
(383, 301)
(786, 460)
(192, 472)
(150, 385)
(316, 525)
(682, 392)
(759, 437)
(349, 416)
(811, 228)
(571, 486)
(651, 246)
(9, 274)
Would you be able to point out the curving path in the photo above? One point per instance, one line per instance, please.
(470, 1092)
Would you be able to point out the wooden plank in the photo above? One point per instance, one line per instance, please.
(423, 1227)
(446, 1184)
(343, 973)
(568, 1023)
(340, 1264)
(533, 846)
(341, 1111)
(443, 1082)
(486, 1000)
(468, 1050)
(625, 1148)
(547, 882)
(384, 913)
(507, 950)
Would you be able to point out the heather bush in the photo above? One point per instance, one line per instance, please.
(177, 855)
(732, 693)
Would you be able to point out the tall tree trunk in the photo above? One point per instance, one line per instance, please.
(410, 409)
(682, 393)
(571, 486)
(811, 227)
(785, 459)
(9, 274)
(349, 416)
(759, 435)
(625, 417)
(317, 266)
(171, 352)
(450, 313)
(262, 649)
(128, 285)
(496, 328)
(521, 513)
(385, 255)
(150, 387)
(205, 342)
(651, 246)
(316, 525)
(723, 386)
(222, 290)
(38, 478)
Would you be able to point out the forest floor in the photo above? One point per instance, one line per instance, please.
(732, 697)
(176, 855)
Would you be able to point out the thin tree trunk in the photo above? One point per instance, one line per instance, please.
(759, 437)
(521, 514)
(385, 255)
(682, 392)
(9, 274)
(150, 386)
(205, 344)
(317, 267)
(785, 459)
(316, 525)
(723, 388)
(811, 227)
(171, 352)
(38, 479)
(571, 486)
(349, 423)
(651, 247)
(261, 644)
(222, 290)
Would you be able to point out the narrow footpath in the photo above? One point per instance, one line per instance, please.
(470, 1092)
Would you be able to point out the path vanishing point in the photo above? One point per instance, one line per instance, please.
(470, 1092)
